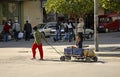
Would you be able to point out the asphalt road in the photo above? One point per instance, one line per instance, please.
(15, 60)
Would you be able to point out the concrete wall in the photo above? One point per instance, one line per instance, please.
(33, 12)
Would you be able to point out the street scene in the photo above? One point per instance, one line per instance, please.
(59, 38)
(15, 59)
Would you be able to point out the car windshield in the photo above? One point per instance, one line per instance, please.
(40, 26)
(52, 25)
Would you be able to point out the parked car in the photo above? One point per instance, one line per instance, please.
(88, 33)
(109, 22)
(46, 28)
(40, 26)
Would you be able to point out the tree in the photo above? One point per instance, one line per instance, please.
(113, 5)
(73, 8)
(77, 8)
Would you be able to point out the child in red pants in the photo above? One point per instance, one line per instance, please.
(38, 36)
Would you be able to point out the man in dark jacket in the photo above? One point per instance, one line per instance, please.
(27, 30)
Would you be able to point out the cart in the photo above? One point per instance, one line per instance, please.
(79, 53)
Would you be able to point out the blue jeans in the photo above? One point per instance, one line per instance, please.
(16, 35)
(58, 35)
(66, 36)
(5, 37)
(71, 34)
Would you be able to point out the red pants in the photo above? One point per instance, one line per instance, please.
(34, 47)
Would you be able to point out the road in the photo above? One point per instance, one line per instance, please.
(15, 60)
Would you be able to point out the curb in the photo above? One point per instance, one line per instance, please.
(108, 54)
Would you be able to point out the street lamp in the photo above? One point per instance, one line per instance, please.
(96, 24)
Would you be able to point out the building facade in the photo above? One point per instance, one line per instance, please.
(21, 10)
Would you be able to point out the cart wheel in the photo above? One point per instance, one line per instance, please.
(95, 58)
(62, 58)
(87, 59)
(68, 57)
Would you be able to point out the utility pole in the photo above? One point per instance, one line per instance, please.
(95, 25)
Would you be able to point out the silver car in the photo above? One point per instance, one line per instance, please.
(46, 29)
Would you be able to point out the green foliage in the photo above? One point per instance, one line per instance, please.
(113, 5)
(71, 7)
(79, 7)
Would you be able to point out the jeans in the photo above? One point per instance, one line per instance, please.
(71, 34)
(16, 35)
(5, 37)
(58, 35)
(66, 36)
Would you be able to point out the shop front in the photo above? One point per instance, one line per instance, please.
(21, 10)
(10, 10)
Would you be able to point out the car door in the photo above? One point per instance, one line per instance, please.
(47, 30)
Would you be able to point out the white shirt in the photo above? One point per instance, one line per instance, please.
(69, 25)
(80, 27)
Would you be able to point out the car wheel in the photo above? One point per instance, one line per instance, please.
(106, 30)
(89, 36)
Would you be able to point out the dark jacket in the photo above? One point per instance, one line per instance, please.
(28, 27)
(58, 26)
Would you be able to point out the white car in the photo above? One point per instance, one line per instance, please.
(46, 28)
(88, 33)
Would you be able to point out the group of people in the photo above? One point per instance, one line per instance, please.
(14, 29)
(38, 36)
(68, 29)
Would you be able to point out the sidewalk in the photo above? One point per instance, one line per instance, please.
(109, 52)
(104, 50)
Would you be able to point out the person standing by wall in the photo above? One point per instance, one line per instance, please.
(6, 32)
(16, 29)
(38, 36)
(80, 29)
(27, 30)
